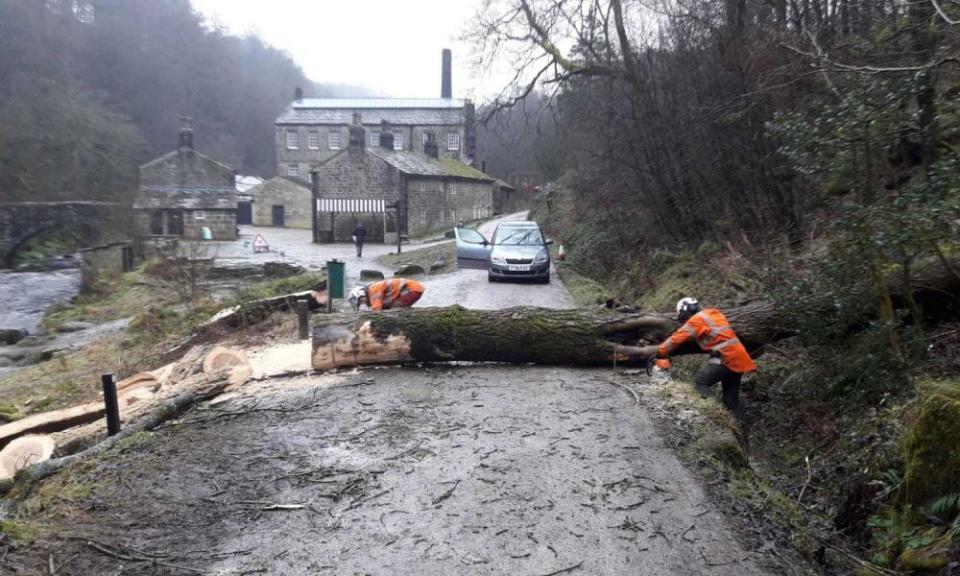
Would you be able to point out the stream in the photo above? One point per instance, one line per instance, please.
(24, 296)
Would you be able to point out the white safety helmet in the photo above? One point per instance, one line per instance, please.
(687, 307)
(358, 295)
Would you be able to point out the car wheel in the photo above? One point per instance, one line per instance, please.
(546, 279)
(491, 278)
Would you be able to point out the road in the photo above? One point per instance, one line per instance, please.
(439, 470)
(468, 288)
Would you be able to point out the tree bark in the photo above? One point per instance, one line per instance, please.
(564, 337)
(514, 335)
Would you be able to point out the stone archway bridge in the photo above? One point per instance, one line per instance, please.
(21, 221)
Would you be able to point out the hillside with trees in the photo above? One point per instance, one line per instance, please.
(91, 88)
(803, 152)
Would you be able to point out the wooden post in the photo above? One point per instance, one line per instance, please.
(111, 404)
(303, 316)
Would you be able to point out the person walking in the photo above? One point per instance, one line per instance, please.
(729, 359)
(387, 294)
(359, 236)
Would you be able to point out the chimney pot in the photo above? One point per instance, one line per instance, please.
(446, 80)
(185, 140)
(358, 135)
(298, 94)
(386, 136)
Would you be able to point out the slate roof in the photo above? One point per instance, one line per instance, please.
(150, 198)
(374, 111)
(185, 179)
(417, 164)
(278, 184)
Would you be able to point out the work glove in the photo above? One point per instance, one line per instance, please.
(663, 363)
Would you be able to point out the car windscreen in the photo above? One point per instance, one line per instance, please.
(518, 237)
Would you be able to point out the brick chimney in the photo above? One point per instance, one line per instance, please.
(185, 140)
(430, 147)
(358, 135)
(446, 79)
(386, 136)
(298, 94)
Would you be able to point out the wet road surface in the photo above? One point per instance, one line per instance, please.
(431, 471)
(468, 288)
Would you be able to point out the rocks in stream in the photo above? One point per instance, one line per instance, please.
(370, 275)
(75, 326)
(438, 265)
(10, 336)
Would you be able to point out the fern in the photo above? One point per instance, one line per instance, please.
(943, 508)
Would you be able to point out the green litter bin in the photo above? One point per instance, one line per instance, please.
(335, 270)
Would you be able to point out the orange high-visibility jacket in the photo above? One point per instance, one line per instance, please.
(384, 293)
(713, 333)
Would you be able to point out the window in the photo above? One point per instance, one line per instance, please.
(398, 141)
(293, 140)
(453, 188)
(453, 141)
(423, 217)
(156, 223)
(427, 137)
(313, 140)
(293, 170)
(423, 186)
(333, 140)
(374, 139)
(199, 215)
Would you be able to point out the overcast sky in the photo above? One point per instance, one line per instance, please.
(388, 46)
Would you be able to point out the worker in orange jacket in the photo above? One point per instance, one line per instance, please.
(729, 360)
(387, 294)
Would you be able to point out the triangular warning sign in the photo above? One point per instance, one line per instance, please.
(260, 245)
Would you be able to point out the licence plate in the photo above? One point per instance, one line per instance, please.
(518, 268)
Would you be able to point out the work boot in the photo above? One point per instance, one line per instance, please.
(703, 390)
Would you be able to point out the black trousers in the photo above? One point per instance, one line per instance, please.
(713, 373)
(359, 249)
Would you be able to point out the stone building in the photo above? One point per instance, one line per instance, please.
(186, 194)
(243, 183)
(282, 201)
(364, 183)
(312, 130)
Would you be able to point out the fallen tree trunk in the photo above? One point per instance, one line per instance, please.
(566, 337)
(515, 335)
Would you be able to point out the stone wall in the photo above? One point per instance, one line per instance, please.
(295, 198)
(108, 259)
(21, 221)
(356, 174)
(222, 223)
(304, 157)
(439, 203)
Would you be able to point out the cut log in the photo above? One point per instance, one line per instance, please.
(23, 452)
(48, 422)
(222, 358)
(199, 388)
(138, 380)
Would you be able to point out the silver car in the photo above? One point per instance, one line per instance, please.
(517, 250)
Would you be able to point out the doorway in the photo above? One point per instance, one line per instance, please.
(278, 216)
(244, 213)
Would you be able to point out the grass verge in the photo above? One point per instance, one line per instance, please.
(445, 252)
